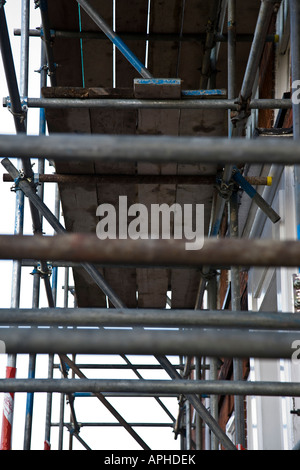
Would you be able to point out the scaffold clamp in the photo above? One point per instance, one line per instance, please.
(43, 273)
(21, 177)
(24, 107)
(225, 189)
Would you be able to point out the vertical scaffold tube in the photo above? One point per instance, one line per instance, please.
(295, 63)
(235, 306)
(8, 402)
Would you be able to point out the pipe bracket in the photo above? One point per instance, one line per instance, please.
(24, 107)
(243, 112)
(225, 189)
(21, 177)
(43, 273)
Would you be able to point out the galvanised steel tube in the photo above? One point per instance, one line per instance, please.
(218, 387)
(219, 37)
(11, 78)
(295, 72)
(131, 103)
(136, 179)
(231, 48)
(12, 84)
(43, 5)
(86, 248)
(231, 76)
(204, 342)
(94, 317)
(209, 42)
(212, 295)
(109, 424)
(262, 103)
(153, 149)
(263, 21)
(25, 14)
(20, 125)
(116, 40)
(236, 306)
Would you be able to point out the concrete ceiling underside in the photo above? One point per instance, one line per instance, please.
(88, 68)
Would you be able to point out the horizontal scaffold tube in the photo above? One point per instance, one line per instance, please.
(88, 248)
(243, 37)
(136, 179)
(207, 387)
(128, 103)
(155, 149)
(193, 342)
(95, 317)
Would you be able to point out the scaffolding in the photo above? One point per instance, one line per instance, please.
(145, 297)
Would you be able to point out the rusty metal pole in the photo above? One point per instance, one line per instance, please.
(215, 252)
(236, 306)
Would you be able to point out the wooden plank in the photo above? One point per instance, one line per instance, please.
(184, 287)
(131, 20)
(97, 55)
(63, 15)
(122, 280)
(88, 294)
(173, 59)
(190, 54)
(164, 18)
(153, 284)
(185, 282)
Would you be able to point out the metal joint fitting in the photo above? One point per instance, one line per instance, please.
(24, 107)
(225, 189)
(46, 273)
(15, 186)
(207, 276)
(276, 4)
(43, 274)
(22, 177)
(243, 111)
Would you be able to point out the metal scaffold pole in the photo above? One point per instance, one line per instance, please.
(295, 72)
(130, 103)
(217, 329)
(235, 306)
(158, 149)
(8, 407)
(25, 20)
